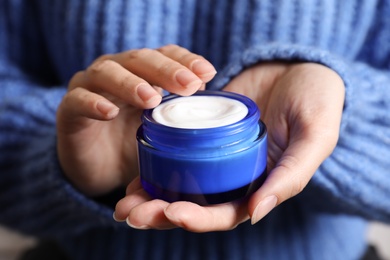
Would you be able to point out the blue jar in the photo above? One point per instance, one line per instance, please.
(204, 166)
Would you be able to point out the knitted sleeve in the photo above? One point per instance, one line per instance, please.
(355, 179)
(35, 196)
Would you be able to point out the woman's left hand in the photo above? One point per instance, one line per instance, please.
(301, 104)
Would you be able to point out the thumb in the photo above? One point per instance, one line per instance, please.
(290, 175)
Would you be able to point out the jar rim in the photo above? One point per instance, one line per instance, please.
(253, 112)
(229, 138)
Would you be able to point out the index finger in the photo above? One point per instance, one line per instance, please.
(196, 63)
(158, 69)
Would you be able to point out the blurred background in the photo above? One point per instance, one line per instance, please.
(12, 244)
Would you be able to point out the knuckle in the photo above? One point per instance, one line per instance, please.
(73, 94)
(125, 85)
(76, 79)
(139, 53)
(70, 98)
(165, 68)
(297, 187)
(104, 57)
(288, 162)
(188, 57)
(66, 99)
(168, 48)
(297, 181)
(99, 66)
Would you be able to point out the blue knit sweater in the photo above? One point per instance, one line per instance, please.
(43, 43)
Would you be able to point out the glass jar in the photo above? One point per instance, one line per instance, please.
(207, 165)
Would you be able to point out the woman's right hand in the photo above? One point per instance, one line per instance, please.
(98, 117)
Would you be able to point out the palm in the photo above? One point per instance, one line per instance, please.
(271, 103)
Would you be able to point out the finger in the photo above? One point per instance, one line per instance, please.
(112, 78)
(136, 210)
(196, 63)
(135, 195)
(126, 204)
(160, 70)
(159, 90)
(148, 215)
(134, 186)
(81, 103)
(289, 177)
(195, 218)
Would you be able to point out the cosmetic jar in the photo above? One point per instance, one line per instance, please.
(202, 162)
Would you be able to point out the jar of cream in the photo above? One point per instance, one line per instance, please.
(207, 148)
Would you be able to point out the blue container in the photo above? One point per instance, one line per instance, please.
(205, 166)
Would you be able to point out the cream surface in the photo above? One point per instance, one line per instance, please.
(199, 112)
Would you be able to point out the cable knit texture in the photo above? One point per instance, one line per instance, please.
(43, 43)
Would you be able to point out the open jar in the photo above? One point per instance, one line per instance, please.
(201, 160)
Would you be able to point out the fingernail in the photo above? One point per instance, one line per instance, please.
(107, 109)
(263, 208)
(146, 92)
(142, 227)
(187, 79)
(117, 220)
(203, 68)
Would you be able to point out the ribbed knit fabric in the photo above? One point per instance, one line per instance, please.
(43, 43)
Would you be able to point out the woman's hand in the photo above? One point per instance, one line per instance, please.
(301, 104)
(98, 117)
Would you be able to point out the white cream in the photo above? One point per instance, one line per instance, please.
(199, 112)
